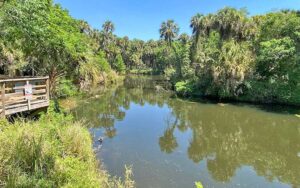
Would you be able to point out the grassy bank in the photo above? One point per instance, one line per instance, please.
(54, 151)
(263, 95)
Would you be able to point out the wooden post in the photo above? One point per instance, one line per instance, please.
(28, 100)
(3, 99)
(47, 89)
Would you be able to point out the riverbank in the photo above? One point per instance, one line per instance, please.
(54, 151)
(261, 96)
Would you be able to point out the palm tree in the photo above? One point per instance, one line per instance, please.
(201, 25)
(196, 25)
(169, 31)
(231, 22)
(84, 27)
(107, 38)
(184, 38)
(108, 27)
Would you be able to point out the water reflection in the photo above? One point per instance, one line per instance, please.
(231, 137)
(168, 142)
(104, 110)
(226, 138)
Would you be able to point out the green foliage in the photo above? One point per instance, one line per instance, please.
(68, 169)
(50, 42)
(185, 88)
(278, 25)
(169, 31)
(276, 58)
(52, 152)
(119, 65)
(38, 29)
(199, 184)
(242, 58)
(94, 70)
(277, 65)
(170, 72)
(224, 66)
(187, 71)
(228, 55)
(66, 89)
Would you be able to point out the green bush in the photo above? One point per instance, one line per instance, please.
(66, 89)
(184, 88)
(119, 65)
(52, 152)
(272, 92)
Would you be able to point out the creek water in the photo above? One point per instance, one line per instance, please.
(172, 142)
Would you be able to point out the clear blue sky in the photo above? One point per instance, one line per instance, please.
(141, 18)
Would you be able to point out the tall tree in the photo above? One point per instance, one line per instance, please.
(196, 25)
(169, 31)
(107, 34)
(108, 41)
(108, 27)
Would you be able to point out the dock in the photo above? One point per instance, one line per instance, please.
(23, 94)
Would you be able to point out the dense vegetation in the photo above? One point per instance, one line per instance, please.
(232, 56)
(229, 55)
(245, 58)
(40, 38)
(52, 152)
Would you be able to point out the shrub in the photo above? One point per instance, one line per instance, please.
(184, 88)
(66, 89)
(118, 64)
(52, 152)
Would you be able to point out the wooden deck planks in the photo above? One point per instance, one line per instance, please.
(13, 99)
(26, 108)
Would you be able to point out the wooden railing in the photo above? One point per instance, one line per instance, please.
(23, 94)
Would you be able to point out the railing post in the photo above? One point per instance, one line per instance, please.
(28, 100)
(48, 89)
(3, 99)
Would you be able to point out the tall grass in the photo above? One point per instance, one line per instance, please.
(54, 151)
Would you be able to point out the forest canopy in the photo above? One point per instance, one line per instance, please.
(229, 55)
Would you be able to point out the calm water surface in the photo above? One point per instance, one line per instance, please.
(173, 143)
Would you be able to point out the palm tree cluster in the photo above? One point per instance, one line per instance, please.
(229, 22)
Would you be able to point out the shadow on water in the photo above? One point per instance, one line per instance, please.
(226, 137)
(272, 108)
(279, 109)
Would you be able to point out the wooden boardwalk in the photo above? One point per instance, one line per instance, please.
(23, 94)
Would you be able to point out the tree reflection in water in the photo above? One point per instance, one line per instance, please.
(232, 137)
(168, 142)
(110, 106)
(227, 138)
